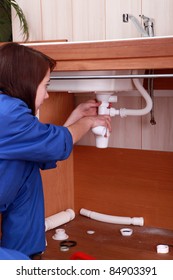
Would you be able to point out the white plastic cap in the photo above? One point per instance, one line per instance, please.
(163, 249)
(60, 234)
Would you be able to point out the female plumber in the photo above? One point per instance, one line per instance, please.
(27, 145)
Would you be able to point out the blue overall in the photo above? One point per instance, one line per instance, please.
(8, 254)
(26, 146)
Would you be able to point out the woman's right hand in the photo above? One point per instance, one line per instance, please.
(101, 120)
(83, 125)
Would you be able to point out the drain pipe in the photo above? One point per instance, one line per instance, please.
(136, 221)
(138, 112)
(101, 133)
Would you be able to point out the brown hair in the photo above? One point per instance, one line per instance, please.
(21, 71)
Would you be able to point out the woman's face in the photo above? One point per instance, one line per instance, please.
(41, 93)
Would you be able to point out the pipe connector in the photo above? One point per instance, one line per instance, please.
(113, 112)
(123, 113)
(105, 110)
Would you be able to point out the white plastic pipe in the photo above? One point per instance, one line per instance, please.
(136, 221)
(101, 132)
(59, 219)
(138, 112)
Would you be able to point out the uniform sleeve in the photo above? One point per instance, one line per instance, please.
(24, 137)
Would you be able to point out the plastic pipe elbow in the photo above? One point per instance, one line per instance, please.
(99, 130)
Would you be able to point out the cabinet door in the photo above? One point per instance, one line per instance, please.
(88, 20)
(57, 19)
(33, 14)
(115, 27)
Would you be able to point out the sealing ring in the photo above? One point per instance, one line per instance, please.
(126, 231)
(64, 248)
(68, 243)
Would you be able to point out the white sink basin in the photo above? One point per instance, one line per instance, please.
(90, 85)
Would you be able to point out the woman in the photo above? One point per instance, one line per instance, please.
(26, 144)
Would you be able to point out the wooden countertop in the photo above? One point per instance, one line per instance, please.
(107, 242)
(142, 53)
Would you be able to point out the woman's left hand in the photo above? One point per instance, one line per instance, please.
(88, 108)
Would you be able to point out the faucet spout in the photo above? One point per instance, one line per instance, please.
(138, 26)
(148, 30)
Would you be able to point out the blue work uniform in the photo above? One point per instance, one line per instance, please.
(26, 146)
(8, 254)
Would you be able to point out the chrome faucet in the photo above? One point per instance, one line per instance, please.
(148, 25)
(147, 30)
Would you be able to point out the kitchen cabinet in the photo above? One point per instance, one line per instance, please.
(147, 189)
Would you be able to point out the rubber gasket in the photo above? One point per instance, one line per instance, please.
(68, 243)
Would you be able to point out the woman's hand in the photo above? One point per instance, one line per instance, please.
(101, 120)
(83, 125)
(88, 108)
(85, 117)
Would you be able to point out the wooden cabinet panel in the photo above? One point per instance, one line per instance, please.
(125, 182)
(58, 182)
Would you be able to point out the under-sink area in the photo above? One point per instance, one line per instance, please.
(105, 85)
